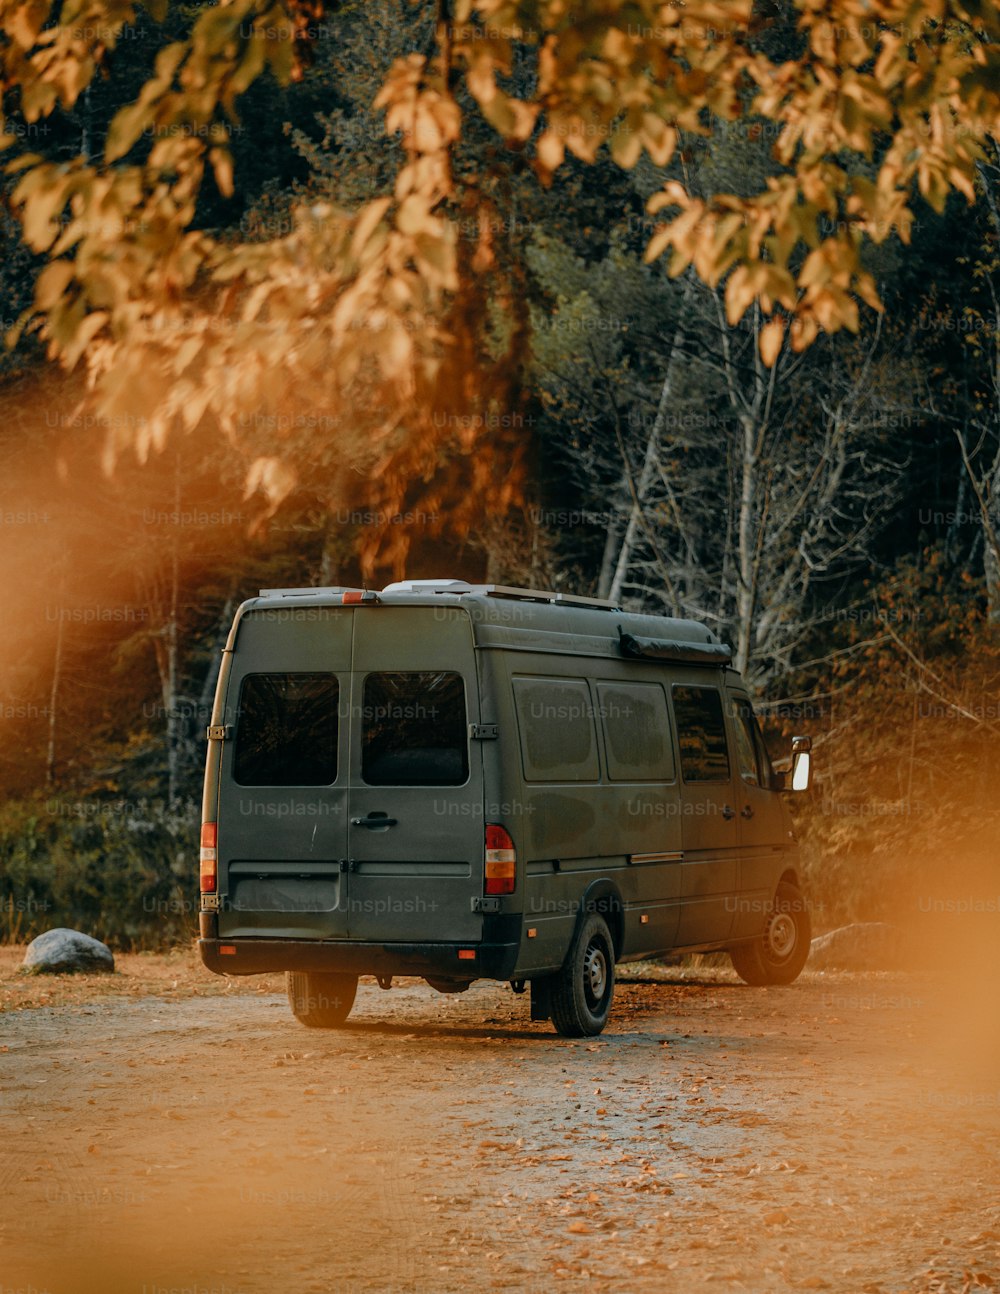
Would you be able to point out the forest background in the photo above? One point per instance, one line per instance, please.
(832, 511)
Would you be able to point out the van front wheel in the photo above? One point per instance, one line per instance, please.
(778, 955)
(321, 999)
(583, 989)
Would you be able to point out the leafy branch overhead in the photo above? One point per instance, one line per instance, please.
(870, 103)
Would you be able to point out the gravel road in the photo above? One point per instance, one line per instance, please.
(839, 1134)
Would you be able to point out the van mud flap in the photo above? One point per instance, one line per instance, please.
(541, 998)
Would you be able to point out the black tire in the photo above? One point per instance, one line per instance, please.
(778, 955)
(321, 999)
(583, 989)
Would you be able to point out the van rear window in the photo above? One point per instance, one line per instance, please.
(414, 730)
(701, 734)
(286, 730)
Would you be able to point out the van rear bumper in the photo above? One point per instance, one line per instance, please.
(257, 956)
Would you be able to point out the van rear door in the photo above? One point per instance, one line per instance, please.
(415, 802)
(283, 785)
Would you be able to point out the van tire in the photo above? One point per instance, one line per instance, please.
(778, 955)
(583, 989)
(321, 999)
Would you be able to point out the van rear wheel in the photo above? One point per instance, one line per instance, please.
(321, 999)
(583, 989)
(778, 955)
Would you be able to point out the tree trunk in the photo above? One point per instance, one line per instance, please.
(991, 546)
(614, 569)
(609, 558)
(170, 698)
(215, 662)
(746, 548)
(624, 558)
(50, 758)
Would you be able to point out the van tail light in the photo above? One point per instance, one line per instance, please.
(501, 861)
(209, 856)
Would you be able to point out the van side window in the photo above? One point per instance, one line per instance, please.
(701, 734)
(556, 721)
(746, 752)
(414, 730)
(746, 722)
(286, 730)
(637, 732)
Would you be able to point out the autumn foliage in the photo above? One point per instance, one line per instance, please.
(372, 307)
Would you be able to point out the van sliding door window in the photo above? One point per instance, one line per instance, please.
(637, 732)
(414, 730)
(701, 734)
(286, 730)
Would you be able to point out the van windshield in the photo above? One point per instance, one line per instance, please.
(286, 730)
(414, 730)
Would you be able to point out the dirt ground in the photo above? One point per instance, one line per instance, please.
(165, 1131)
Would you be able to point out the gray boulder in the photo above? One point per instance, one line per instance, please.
(61, 951)
(866, 946)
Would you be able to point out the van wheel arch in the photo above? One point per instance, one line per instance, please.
(603, 898)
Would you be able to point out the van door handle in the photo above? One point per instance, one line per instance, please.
(746, 811)
(374, 820)
(728, 812)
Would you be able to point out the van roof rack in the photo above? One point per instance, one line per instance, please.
(300, 593)
(460, 587)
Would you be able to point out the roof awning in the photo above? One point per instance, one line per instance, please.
(673, 649)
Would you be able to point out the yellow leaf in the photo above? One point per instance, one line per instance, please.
(550, 150)
(222, 165)
(673, 194)
(85, 333)
(366, 222)
(771, 337)
(40, 209)
(52, 282)
(626, 147)
(414, 217)
(803, 332)
(273, 476)
(740, 292)
(658, 244)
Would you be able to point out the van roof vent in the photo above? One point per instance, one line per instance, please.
(459, 587)
(432, 586)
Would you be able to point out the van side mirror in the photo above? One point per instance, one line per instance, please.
(799, 775)
(801, 763)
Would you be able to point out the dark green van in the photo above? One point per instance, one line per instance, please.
(463, 781)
